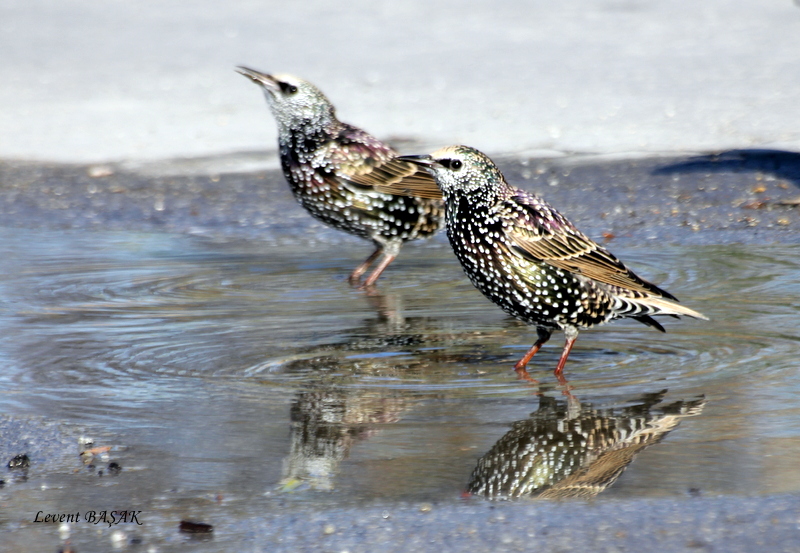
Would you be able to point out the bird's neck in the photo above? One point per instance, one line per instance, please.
(465, 209)
(311, 123)
(304, 137)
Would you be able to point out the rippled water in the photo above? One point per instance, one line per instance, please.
(239, 377)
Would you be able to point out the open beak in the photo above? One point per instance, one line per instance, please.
(262, 79)
(422, 160)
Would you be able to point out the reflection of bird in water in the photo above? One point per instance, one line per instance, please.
(326, 422)
(570, 450)
(430, 341)
(333, 168)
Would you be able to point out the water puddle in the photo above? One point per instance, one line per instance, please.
(240, 377)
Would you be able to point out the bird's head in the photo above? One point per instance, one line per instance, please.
(460, 170)
(294, 102)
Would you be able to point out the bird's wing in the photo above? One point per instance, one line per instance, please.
(366, 163)
(540, 233)
(400, 178)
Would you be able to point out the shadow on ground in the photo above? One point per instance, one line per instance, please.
(778, 163)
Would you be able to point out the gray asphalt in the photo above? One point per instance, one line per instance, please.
(740, 196)
(701, 524)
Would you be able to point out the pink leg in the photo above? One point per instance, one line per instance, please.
(355, 276)
(559, 372)
(378, 270)
(519, 367)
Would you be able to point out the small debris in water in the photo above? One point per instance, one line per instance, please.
(329, 529)
(89, 454)
(19, 462)
(292, 484)
(189, 527)
(754, 204)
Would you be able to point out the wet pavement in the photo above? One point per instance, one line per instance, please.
(199, 326)
(732, 196)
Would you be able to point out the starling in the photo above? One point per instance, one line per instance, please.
(333, 168)
(529, 259)
(573, 450)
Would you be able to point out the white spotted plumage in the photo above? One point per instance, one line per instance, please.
(334, 168)
(530, 260)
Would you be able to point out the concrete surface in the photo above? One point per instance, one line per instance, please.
(84, 81)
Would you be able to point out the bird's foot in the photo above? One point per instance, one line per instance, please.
(355, 279)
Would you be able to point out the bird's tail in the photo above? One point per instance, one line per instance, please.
(651, 305)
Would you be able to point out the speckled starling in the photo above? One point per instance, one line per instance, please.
(529, 259)
(333, 167)
(573, 450)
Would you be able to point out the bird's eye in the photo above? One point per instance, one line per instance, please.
(454, 164)
(287, 88)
